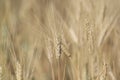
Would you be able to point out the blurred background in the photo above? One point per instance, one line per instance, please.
(59, 39)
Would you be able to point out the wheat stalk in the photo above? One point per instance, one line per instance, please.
(0, 73)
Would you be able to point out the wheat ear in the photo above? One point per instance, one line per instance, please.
(18, 71)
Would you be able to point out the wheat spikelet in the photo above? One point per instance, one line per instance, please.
(18, 71)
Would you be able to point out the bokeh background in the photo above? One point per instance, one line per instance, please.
(59, 39)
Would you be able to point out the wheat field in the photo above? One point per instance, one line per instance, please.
(59, 39)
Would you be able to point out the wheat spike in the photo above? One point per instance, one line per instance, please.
(18, 71)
